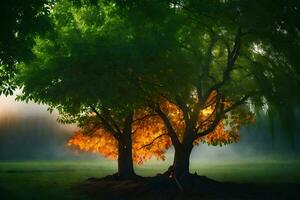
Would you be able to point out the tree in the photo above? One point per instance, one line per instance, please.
(244, 56)
(149, 137)
(216, 62)
(98, 69)
(19, 21)
(125, 139)
(188, 126)
(244, 51)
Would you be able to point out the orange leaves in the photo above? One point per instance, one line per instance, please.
(226, 131)
(149, 139)
(99, 142)
(219, 136)
(175, 115)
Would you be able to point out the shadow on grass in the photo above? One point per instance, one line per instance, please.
(161, 187)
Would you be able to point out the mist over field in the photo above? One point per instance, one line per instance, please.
(30, 132)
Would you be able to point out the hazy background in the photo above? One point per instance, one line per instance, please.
(30, 132)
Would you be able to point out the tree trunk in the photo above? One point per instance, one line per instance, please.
(125, 163)
(181, 162)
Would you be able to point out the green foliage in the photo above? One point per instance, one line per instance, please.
(123, 54)
(266, 67)
(96, 56)
(20, 21)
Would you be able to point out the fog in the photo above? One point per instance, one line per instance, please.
(29, 131)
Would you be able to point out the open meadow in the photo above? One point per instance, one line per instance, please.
(56, 179)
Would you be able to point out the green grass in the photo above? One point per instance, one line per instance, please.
(253, 171)
(54, 179)
(45, 179)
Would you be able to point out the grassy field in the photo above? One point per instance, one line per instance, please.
(54, 179)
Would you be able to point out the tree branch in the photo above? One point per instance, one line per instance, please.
(194, 15)
(238, 103)
(182, 105)
(219, 113)
(108, 115)
(149, 144)
(222, 112)
(144, 117)
(106, 124)
(171, 131)
(231, 59)
(206, 66)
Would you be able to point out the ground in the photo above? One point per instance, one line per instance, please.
(59, 179)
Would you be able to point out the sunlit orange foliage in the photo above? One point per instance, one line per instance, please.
(150, 138)
(98, 142)
(227, 130)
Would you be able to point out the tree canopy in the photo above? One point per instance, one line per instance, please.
(20, 21)
(99, 69)
(96, 56)
(203, 66)
(243, 55)
(242, 47)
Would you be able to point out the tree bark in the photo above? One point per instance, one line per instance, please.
(125, 162)
(181, 162)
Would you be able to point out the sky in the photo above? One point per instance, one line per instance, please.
(8, 106)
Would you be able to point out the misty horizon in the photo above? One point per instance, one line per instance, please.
(29, 131)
